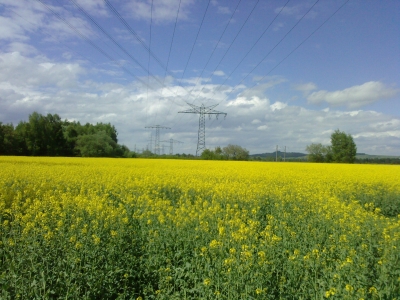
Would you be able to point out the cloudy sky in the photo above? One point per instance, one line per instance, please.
(287, 73)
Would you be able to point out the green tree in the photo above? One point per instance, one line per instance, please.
(109, 129)
(42, 135)
(99, 144)
(315, 152)
(55, 142)
(50, 136)
(218, 150)
(147, 153)
(71, 132)
(21, 137)
(8, 140)
(235, 152)
(318, 153)
(207, 154)
(343, 147)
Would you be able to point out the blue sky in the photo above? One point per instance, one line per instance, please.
(287, 73)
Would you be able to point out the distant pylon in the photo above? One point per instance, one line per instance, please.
(157, 141)
(171, 145)
(202, 111)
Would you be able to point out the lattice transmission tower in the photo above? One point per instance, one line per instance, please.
(157, 140)
(171, 145)
(202, 111)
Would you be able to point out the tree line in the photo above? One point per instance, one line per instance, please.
(230, 152)
(49, 135)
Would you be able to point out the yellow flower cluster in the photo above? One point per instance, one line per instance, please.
(220, 227)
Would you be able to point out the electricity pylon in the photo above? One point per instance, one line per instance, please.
(157, 141)
(171, 143)
(202, 111)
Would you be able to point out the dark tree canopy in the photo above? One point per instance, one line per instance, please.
(99, 144)
(50, 136)
(344, 149)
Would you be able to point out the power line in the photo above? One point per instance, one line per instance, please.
(81, 35)
(148, 48)
(256, 42)
(216, 45)
(172, 39)
(169, 53)
(291, 52)
(198, 32)
(148, 63)
(227, 50)
(133, 33)
(115, 42)
(299, 45)
(280, 41)
(89, 41)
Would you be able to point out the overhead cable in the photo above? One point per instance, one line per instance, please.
(277, 44)
(115, 42)
(130, 29)
(229, 47)
(216, 46)
(259, 38)
(198, 32)
(291, 52)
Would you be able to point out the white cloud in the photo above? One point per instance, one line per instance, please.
(22, 18)
(355, 96)
(249, 103)
(97, 7)
(259, 89)
(163, 10)
(11, 30)
(262, 127)
(19, 70)
(278, 105)
(221, 9)
(219, 73)
(23, 48)
(297, 10)
(306, 88)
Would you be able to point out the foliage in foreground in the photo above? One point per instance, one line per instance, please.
(161, 229)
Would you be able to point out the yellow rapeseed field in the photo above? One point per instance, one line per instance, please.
(80, 228)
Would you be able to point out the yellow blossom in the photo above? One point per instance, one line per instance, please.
(207, 281)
